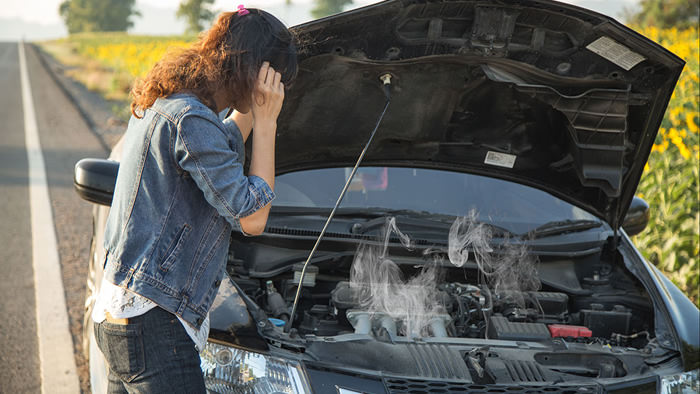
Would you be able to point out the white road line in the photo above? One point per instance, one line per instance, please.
(58, 371)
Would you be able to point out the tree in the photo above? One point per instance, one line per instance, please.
(197, 13)
(97, 15)
(328, 7)
(665, 13)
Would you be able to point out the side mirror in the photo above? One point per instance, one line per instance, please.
(94, 180)
(637, 217)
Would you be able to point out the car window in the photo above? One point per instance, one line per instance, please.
(516, 207)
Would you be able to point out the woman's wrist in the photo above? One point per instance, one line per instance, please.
(265, 125)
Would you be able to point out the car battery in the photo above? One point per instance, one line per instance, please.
(501, 328)
(604, 323)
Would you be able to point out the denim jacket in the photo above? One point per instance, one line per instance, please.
(179, 192)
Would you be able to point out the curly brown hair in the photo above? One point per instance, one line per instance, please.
(226, 58)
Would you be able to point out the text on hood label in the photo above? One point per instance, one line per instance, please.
(500, 159)
(615, 52)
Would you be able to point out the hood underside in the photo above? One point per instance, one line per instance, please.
(537, 92)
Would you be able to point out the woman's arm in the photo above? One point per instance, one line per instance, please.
(266, 105)
(203, 150)
(244, 123)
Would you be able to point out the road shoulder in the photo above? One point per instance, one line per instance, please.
(66, 137)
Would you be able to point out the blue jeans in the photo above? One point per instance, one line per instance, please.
(151, 354)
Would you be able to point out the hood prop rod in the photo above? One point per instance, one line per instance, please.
(386, 81)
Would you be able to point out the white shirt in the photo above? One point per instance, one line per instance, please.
(123, 304)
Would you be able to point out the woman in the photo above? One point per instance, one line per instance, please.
(180, 191)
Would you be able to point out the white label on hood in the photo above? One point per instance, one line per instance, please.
(500, 159)
(615, 52)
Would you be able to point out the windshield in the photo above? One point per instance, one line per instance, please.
(515, 207)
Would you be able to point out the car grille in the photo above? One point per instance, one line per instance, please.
(414, 386)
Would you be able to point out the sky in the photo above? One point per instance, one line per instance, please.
(39, 19)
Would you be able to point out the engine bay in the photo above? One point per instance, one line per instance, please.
(415, 292)
(330, 308)
(478, 309)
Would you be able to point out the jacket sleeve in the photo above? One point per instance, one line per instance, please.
(202, 149)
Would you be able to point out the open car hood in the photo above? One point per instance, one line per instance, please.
(537, 92)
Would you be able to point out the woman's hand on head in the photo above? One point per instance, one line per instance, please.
(268, 97)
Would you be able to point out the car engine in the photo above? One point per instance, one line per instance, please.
(414, 294)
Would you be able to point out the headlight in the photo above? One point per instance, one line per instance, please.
(232, 370)
(682, 383)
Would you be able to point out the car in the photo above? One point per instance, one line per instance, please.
(482, 243)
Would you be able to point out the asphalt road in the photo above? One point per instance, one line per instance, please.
(65, 138)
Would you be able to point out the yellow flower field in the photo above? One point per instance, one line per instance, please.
(671, 177)
(680, 127)
(136, 60)
(109, 62)
(669, 184)
(134, 55)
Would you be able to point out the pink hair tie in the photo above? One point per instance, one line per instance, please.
(242, 10)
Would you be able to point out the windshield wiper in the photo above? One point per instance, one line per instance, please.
(377, 218)
(406, 218)
(324, 211)
(357, 212)
(561, 227)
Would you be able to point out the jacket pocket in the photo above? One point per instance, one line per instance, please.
(174, 248)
